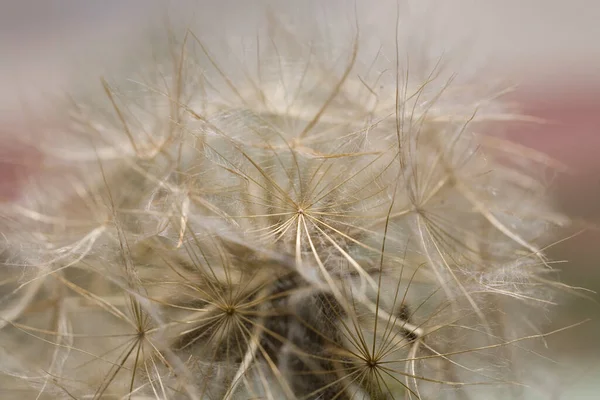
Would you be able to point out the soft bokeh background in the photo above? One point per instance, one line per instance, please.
(551, 46)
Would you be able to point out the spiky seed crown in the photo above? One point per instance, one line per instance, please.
(321, 226)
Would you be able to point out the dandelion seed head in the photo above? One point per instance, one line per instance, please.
(292, 216)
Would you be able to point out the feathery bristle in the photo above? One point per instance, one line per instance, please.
(284, 216)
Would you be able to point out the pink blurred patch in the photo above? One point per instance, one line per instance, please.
(572, 131)
(570, 135)
(18, 163)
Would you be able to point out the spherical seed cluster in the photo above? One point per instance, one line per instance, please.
(327, 224)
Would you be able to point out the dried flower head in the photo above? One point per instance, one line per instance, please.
(296, 213)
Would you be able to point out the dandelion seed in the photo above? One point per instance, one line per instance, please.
(319, 222)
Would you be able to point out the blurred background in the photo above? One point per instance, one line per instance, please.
(551, 46)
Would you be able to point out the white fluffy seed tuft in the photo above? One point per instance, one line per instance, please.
(298, 209)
